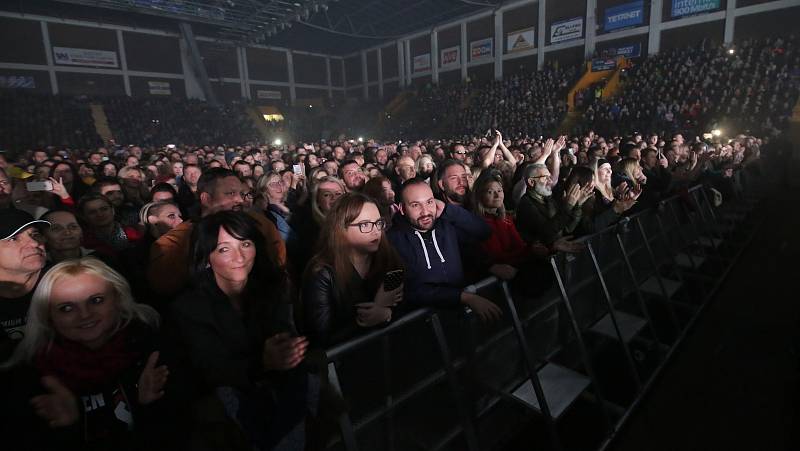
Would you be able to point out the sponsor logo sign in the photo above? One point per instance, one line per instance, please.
(481, 49)
(84, 57)
(566, 30)
(627, 15)
(520, 40)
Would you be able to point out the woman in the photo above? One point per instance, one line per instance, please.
(103, 233)
(236, 326)
(306, 221)
(95, 352)
(108, 169)
(134, 186)
(425, 167)
(272, 193)
(63, 237)
(159, 218)
(380, 189)
(66, 173)
(343, 287)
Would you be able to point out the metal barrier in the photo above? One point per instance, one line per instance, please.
(636, 289)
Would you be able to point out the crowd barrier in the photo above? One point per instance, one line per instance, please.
(577, 358)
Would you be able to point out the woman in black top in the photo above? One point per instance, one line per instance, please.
(343, 286)
(236, 325)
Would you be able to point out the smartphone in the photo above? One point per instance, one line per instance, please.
(298, 169)
(392, 280)
(46, 185)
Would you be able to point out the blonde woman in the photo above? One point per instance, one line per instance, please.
(92, 351)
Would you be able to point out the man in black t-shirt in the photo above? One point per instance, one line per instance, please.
(22, 259)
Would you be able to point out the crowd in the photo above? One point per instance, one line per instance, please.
(531, 104)
(753, 86)
(31, 120)
(197, 284)
(155, 120)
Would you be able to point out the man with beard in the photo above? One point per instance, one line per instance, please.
(22, 259)
(542, 219)
(453, 183)
(219, 189)
(352, 175)
(428, 235)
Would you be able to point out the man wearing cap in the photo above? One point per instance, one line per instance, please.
(22, 259)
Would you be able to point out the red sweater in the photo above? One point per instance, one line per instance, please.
(505, 245)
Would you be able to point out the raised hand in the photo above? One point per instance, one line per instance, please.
(152, 380)
(58, 407)
(548, 147)
(573, 194)
(587, 192)
(58, 187)
(562, 141)
(283, 352)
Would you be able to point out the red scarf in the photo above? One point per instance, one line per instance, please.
(82, 369)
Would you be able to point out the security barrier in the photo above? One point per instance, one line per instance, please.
(593, 343)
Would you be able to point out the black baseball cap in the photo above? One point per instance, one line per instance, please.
(13, 221)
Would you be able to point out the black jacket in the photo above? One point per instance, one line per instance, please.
(327, 318)
(545, 219)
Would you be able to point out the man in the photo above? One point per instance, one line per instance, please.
(22, 260)
(219, 189)
(352, 175)
(428, 235)
(414, 152)
(459, 152)
(187, 189)
(542, 219)
(453, 183)
(39, 156)
(243, 168)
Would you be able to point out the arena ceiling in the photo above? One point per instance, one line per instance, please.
(328, 26)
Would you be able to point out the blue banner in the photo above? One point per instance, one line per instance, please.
(628, 51)
(621, 16)
(601, 64)
(686, 7)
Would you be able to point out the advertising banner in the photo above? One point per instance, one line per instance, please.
(422, 62)
(622, 16)
(17, 82)
(481, 49)
(520, 40)
(601, 64)
(686, 7)
(84, 57)
(628, 51)
(159, 88)
(566, 30)
(270, 95)
(450, 56)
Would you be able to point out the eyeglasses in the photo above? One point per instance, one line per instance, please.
(366, 227)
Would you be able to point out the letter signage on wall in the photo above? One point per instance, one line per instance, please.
(270, 95)
(422, 62)
(17, 82)
(450, 56)
(621, 16)
(520, 40)
(84, 57)
(628, 51)
(481, 49)
(159, 88)
(686, 7)
(566, 30)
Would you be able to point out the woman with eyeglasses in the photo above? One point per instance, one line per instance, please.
(343, 289)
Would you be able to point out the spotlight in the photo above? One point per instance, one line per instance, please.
(731, 51)
(716, 132)
(360, 139)
(277, 142)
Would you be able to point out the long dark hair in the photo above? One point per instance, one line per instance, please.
(333, 249)
(265, 277)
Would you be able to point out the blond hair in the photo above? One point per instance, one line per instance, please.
(39, 332)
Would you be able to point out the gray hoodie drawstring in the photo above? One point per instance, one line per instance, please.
(436, 245)
(424, 249)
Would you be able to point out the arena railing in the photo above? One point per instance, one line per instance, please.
(636, 289)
